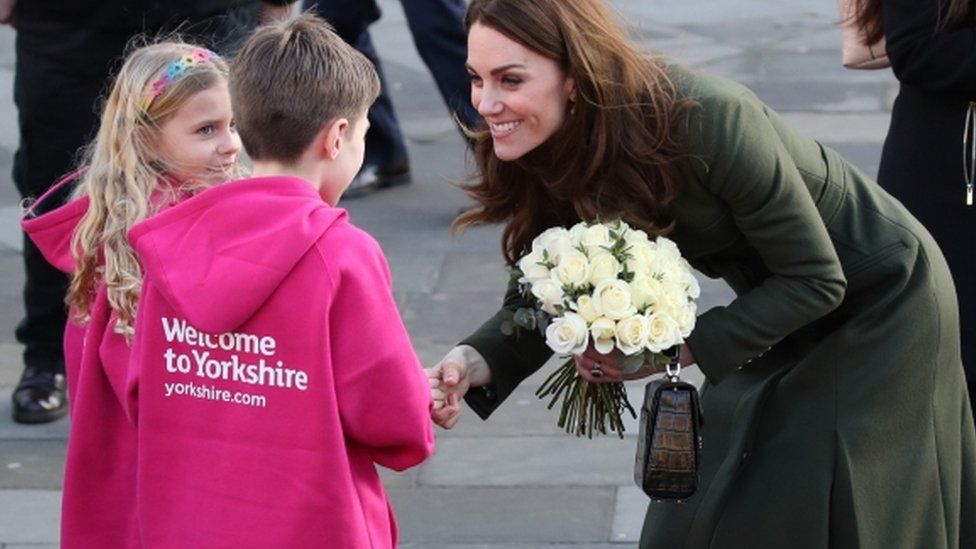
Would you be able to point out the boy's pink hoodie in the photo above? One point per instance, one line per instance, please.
(270, 373)
(98, 504)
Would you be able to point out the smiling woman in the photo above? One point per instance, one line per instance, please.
(523, 102)
(812, 389)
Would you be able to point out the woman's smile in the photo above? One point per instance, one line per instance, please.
(503, 129)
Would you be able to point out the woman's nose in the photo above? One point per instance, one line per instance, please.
(488, 102)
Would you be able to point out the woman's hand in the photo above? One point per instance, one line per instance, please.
(459, 370)
(596, 367)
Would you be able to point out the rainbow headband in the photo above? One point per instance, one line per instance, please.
(175, 70)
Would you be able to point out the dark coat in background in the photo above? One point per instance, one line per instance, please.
(922, 161)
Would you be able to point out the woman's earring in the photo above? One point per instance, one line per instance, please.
(572, 110)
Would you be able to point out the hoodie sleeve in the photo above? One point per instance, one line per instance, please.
(383, 394)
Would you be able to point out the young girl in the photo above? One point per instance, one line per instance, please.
(166, 133)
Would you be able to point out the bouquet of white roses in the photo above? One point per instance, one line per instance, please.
(610, 286)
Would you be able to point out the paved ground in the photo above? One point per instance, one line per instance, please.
(515, 481)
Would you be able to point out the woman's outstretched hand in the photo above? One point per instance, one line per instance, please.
(450, 379)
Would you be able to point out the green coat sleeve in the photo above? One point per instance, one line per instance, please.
(753, 174)
(511, 358)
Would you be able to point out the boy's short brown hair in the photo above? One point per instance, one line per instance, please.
(290, 79)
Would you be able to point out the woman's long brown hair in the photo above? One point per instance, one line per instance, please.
(952, 13)
(614, 155)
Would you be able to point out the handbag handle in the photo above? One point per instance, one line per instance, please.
(969, 152)
(673, 368)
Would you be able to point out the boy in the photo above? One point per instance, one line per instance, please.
(271, 368)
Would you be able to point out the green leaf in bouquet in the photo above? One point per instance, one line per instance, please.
(507, 326)
(525, 318)
(541, 321)
(633, 363)
(514, 274)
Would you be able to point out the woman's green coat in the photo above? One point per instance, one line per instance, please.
(835, 404)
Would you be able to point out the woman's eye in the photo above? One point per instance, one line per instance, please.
(475, 79)
(206, 130)
(511, 80)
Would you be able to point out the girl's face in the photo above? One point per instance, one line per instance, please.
(522, 95)
(199, 142)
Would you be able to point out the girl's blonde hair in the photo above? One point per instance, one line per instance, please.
(126, 180)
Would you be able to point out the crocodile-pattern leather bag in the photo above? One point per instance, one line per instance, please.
(669, 441)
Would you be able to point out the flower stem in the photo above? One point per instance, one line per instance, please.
(586, 407)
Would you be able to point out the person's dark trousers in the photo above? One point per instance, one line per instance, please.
(438, 33)
(351, 20)
(437, 27)
(55, 90)
(62, 72)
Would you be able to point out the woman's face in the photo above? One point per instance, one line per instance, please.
(522, 95)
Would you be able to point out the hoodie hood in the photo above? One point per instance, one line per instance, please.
(51, 232)
(218, 257)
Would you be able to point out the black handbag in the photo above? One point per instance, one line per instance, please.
(668, 445)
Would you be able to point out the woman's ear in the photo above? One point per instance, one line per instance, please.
(571, 89)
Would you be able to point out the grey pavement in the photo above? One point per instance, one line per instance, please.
(515, 481)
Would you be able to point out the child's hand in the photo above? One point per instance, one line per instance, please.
(448, 384)
(459, 370)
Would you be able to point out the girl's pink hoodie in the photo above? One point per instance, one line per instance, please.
(270, 373)
(98, 505)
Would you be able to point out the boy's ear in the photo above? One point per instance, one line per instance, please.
(332, 137)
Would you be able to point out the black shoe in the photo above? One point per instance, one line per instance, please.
(40, 397)
(372, 177)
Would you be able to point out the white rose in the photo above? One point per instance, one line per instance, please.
(568, 334)
(612, 298)
(663, 332)
(676, 273)
(644, 291)
(576, 233)
(686, 318)
(643, 258)
(603, 266)
(549, 293)
(668, 250)
(624, 227)
(586, 309)
(634, 237)
(603, 331)
(691, 284)
(671, 299)
(555, 241)
(533, 268)
(573, 268)
(596, 237)
(632, 333)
